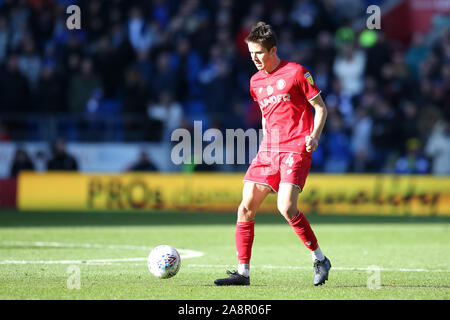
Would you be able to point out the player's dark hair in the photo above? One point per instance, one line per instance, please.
(263, 34)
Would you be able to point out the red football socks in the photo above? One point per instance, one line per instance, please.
(245, 233)
(303, 230)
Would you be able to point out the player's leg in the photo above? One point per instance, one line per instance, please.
(253, 195)
(287, 205)
(294, 169)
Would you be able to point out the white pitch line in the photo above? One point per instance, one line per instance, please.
(73, 245)
(94, 262)
(184, 253)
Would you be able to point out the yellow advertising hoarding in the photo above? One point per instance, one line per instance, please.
(323, 194)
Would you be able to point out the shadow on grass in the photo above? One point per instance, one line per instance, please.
(11, 218)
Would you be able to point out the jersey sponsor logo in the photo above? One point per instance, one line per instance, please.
(275, 99)
(309, 77)
(281, 84)
(269, 90)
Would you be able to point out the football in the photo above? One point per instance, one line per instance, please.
(164, 262)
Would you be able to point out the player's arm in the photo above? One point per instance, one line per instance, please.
(312, 141)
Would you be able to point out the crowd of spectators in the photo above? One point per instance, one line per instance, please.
(59, 160)
(139, 69)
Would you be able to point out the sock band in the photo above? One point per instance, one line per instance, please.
(297, 216)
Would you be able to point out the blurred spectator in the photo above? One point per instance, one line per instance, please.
(49, 56)
(142, 34)
(413, 161)
(338, 156)
(305, 17)
(188, 63)
(144, 66)
(342, 102)
(203, 35)
(416, 53)
(61, 160)
(123, 52)
(360, 140)
(81, 86)
(322, 77)
(215, 78)
(377, 55)
(99, 117)
(325, 51)
(21, 162)
(161, 13)
(385, 134)
(14, 88)
(169, 112)
(429, 116)
(438, 148)
(349, 67)
(40, 161)
(94, 19)
(103, 59)
(286, 44)
(19, 23)
(165, 77)
(409, 124)
(49, 96)
(143, 163)
(29, 62)
(279, 18)
(396, 76)
(225, 44)
(136, 93)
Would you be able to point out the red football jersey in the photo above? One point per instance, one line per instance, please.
(283, 98)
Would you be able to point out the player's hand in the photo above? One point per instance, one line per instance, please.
(311, 143)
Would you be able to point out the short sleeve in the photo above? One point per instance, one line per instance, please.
(306, 83)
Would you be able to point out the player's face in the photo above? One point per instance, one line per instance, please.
(261, 57)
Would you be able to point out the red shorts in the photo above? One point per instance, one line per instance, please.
(273, 168)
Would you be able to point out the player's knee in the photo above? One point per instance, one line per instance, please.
(288, 210)
(246, 213)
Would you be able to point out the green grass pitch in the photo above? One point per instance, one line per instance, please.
(42, 254)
